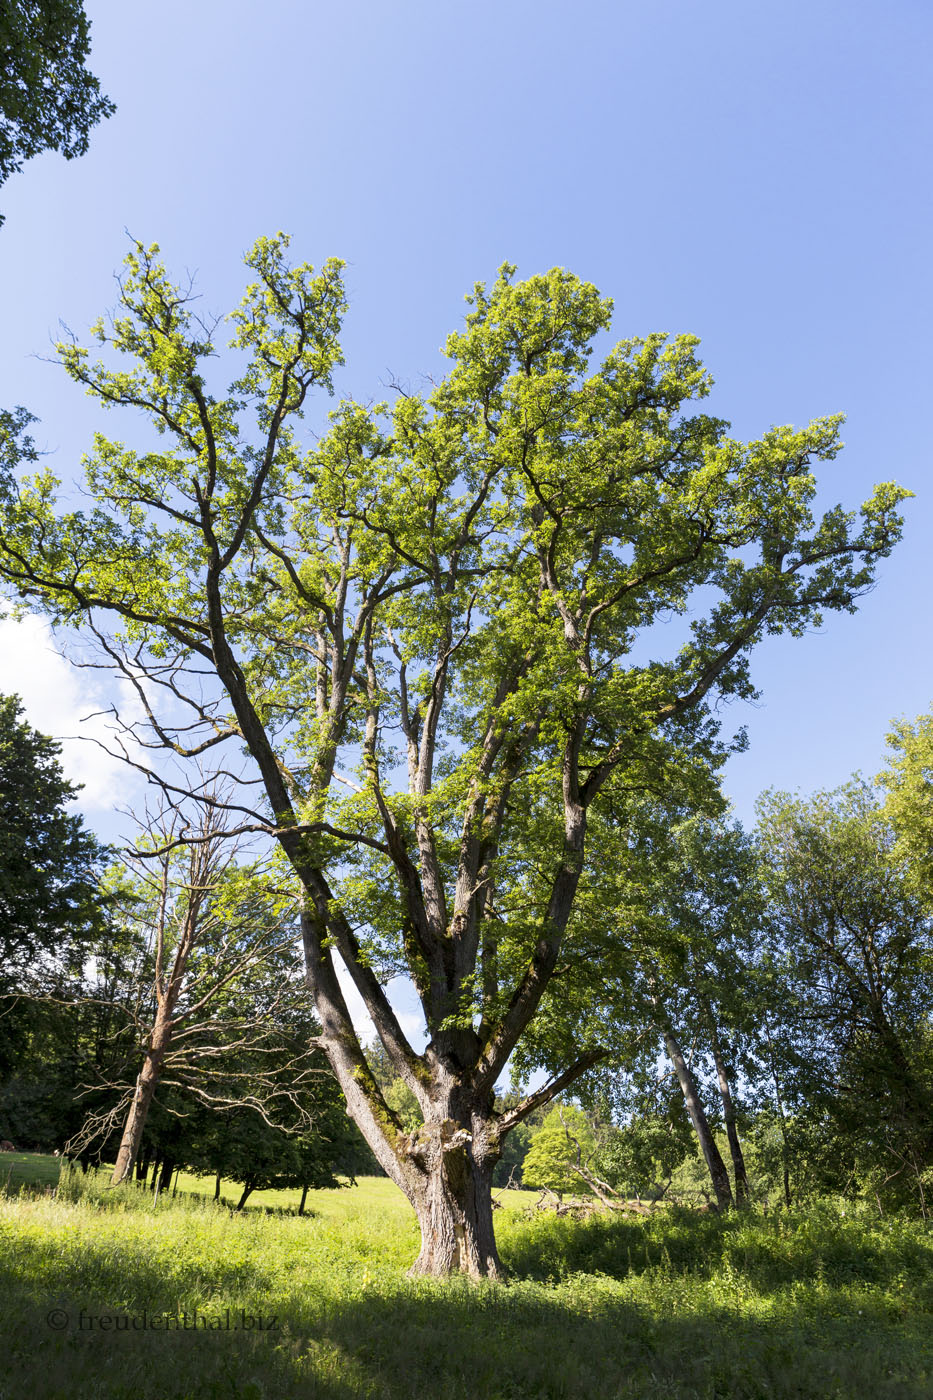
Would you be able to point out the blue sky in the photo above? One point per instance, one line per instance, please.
(756, 174)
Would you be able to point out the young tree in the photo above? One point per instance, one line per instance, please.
(457, 586)
(564, 1142)
(48, 99)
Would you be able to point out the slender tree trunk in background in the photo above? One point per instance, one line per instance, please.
(785, 1148)
(304, 1197)
(168, 987)
(168, 1168)
(688, 1085)
(143, 1094)
(247, 1192)
(217, 1187)
(728, 1109)
(142, 1166)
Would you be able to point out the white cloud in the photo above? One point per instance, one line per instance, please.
(403, 999)
(57, 700)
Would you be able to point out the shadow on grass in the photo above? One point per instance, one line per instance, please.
(455, 1344)
(600, 1331)
(771, 1253)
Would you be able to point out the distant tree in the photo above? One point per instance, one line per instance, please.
(71, 1029)
(640, 1157)
(908, 784)
(509, 1170)
(50, 910)
(564, 1140)
(48, 99)
(669, 921)
(208, 922)
(49, 861)
(238, 1144)
(852, 945)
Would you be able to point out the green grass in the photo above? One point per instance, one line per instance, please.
(809, 1303)
(18, 1169)
(35, 1170)
(378, 1192)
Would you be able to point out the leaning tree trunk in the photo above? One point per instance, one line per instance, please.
(167, 991)
(146, 1083)
(248, 1190)
(728, 1111)
(712, 1156)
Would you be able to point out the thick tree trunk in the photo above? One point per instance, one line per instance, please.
(304, 1197)
(445, 1166)
(711, 1154)
(453, 1202)
(728, 1112)
(247, 1192)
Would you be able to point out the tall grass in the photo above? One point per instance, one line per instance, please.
(810, 1303)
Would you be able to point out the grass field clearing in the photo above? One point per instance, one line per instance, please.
(112, 1295)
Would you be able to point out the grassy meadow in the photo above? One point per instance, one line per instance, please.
(109, 1294)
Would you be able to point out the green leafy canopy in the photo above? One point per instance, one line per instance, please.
(431, 630)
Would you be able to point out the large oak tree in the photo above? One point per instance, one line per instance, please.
(430, 631)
